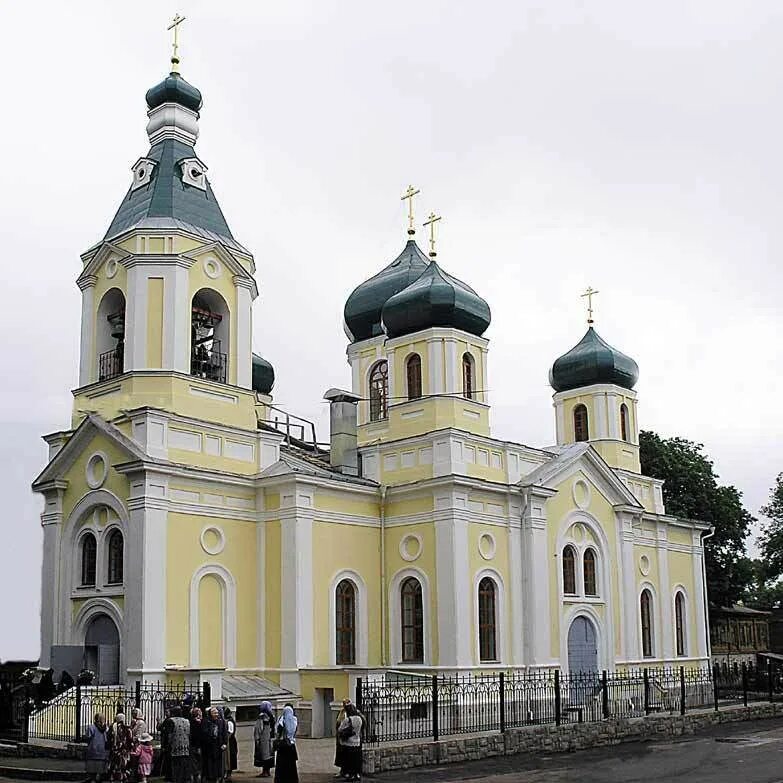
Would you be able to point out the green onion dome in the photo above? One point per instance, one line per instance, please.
(174, 89)
(363, 308)
(435, 299)
(592, 360)
(263, 375)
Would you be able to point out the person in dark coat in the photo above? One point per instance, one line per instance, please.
(214, 741)
(285, 761)
(232, 750)
(263, 734)
(196, 735)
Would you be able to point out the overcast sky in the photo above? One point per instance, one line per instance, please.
(634, 147)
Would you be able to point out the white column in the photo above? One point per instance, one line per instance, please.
(87, 358)
(296, 597)
(665, 633)
(628, 596)
(244, 342)
(136, 320)
(453, 593)
(613, 409)
(700, 599)
(538, 615)
(434, 367)
(516, 615)
(453, 378)
(51, 590)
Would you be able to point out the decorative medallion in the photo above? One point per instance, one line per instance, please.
(97, 469)
(644, 565)
(581, 493)
(212, 268)
(410, 547)
(487, 546)
(212, 540)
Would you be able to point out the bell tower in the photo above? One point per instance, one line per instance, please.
(167, 294)
(595, 400)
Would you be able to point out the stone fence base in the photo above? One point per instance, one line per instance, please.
(555, 739)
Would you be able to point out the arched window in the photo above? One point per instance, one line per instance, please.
(645, 608)
(581, 428)
(589, 572)
(345, 620)
(110, 335)
(486, 609)
(679, 623)
(468, 376)
(89, 557)
(115, 558)
(624, 421)
(412, 621)
(413, 373)
(569, 571)
(210, 339)
(379, 391)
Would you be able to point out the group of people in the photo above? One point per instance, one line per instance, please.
(196, 746)
(201, 746)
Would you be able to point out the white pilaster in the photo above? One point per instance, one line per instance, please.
(538, 615)
(453, 378)
(664, 593)
(517, 608)
(700, 602)
(484, 396)
(51, 590)
(180, 320)
(395, 389)
(599, 407)
(136, 320)
(434, 367)
(453, 593)
(628, 596)
(87, 358)
(613, 410)
(244, 322)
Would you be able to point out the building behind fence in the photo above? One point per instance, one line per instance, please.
(406, 707)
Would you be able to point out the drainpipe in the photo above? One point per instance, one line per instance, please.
(382, 504)
(704, 537)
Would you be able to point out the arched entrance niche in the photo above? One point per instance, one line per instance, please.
(102, 649)
(582, 646)
(211, 622)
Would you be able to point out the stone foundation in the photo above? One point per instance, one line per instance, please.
(555, 739)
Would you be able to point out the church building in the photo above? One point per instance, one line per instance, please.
(195, 532)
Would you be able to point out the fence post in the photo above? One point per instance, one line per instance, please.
(207, 695)
(769, 678)
(138, 694)
(682, 690)
(744, 684)
(502, 702)
(605, 694)
(26, 715)
(359, 694)
(77, 731)
(715, 675)
(435, 726)
(646, 676)
(557, 697)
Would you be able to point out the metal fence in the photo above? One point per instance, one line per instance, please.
(408, 706)
(65, 716)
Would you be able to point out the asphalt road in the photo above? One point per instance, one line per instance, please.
(740, 753)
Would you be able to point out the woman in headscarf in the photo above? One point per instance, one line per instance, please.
(285, 763)
(120, 744)
(96, 748)
(230, 755)
(350, 736)
(196, 734)
(263, 731)
(213, 742)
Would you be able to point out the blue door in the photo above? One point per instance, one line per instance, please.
(582, 647)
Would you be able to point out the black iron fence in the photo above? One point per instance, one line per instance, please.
(65, 716)
(408, 706)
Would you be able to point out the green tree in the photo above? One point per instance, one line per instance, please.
(771, 538)
(691, 490)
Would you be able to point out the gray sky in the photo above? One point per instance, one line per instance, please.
(627, 145)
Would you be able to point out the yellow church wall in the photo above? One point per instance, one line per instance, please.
(273, 576)
(76, 475)
(185, 556)
(680, 536)
(155, 322)
(560, 506)
(619, 454)
(424, 562)
(174, 392)
(339, 547)
(345, 503)
(338, 682)
(403, 507)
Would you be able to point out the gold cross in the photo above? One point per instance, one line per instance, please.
(590, 293)
(408, 195)
(175, 23)
(431, 221)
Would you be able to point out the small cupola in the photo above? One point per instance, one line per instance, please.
(363, 308)
(435, 299)
(263, 375)
(592, 360)
(174, 89)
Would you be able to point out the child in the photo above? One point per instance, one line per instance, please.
(143, 751)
